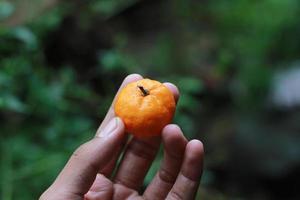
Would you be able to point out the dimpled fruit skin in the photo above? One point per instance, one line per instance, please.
(145, 115)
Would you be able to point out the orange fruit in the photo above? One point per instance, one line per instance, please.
(145, 106)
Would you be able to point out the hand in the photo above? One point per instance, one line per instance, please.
(88, 173)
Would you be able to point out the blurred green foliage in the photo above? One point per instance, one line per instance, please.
(62, 61)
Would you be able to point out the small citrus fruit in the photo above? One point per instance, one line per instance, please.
(145, 106)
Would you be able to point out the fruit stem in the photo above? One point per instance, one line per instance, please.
(144, 91)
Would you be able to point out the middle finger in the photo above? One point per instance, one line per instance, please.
(139, 156)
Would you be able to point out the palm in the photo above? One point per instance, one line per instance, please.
(136, 161)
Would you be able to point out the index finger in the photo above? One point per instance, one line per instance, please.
(111, 113)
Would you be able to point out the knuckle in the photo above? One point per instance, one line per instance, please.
(142, 149)
(79, 151)
(166, 176)
(46, 195)
(83, 154)
(175, 195)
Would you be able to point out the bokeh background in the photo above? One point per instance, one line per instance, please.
(236, 63)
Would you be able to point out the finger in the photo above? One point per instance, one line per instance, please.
(83, 166)
(186, 185)
(101, 189)
(173, 89)
(174, 146)
(110, 114)
(139, 156)
(110, 166)
(108, 169)
(136, 161)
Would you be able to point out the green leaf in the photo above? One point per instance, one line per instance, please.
(26, 36)
(190, 85)
(6, 9)
(12, 103)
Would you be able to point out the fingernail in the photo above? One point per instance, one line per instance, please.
(110, 127)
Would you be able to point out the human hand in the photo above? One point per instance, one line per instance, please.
(88, 173)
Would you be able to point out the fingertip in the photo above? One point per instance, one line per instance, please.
(195, 150)
(189, 177)
(133, 77)
(193, 163)
(173, 138)
(129, 79)
(171, 131)
(197, 144)
(174, 89)
(171, 128)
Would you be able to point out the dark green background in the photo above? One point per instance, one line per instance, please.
(61, 63)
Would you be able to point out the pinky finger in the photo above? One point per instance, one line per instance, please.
(187, 182)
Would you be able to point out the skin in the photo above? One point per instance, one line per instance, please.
(88, 173)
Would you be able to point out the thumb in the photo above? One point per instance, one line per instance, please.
(83, 166)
